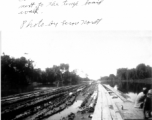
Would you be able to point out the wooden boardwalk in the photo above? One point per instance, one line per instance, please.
(111, 105)
(97, 114)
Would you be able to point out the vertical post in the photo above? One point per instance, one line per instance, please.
(127, 80)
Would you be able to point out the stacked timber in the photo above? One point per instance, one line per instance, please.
(93, 101)
(29, 104)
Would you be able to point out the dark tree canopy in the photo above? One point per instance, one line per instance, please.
(142, 71)
(20, 72)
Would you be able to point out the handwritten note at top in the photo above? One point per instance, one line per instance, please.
(54, 13)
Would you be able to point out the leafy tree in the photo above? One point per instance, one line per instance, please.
(63, 68)
(141, 71)
(122, 73)
(20, 72)
(16, 72)
(148, 71)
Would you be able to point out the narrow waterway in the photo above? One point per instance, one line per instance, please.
(132, 95)
(71, 109)
(131, 89)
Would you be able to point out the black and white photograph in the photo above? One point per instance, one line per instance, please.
(76, 60)
(74, 75)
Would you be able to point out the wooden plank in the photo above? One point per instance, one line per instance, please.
(112, 107)
(117, 112)
(105, 107)
(97, 111)
(129, 112)
(112, 112)
(117, 93)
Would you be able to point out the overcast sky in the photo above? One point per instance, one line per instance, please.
(97, 53)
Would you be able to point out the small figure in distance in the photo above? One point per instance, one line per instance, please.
(140, 98)
(148, 104)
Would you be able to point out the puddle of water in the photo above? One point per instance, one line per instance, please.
(73, 108)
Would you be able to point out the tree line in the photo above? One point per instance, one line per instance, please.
(141, 71)
(20, 72)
